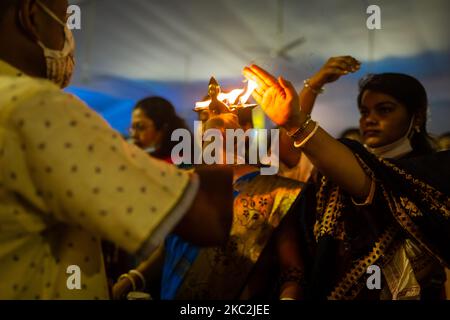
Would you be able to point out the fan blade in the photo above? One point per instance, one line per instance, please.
(284, 56)
(291, 45)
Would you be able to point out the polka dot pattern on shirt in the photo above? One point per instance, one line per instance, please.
(75, 171)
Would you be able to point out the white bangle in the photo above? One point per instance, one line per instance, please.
(130, 278)
(140, 276)
(304, 141)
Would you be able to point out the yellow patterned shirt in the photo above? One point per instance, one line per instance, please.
(68, 180)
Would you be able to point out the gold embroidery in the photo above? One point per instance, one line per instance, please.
(365, 167)
(435, 199)
(357, 286)
(328, 223)
(360, 267)
(404, 219)
(410, 207)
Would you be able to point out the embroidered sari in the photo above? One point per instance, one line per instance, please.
(405, 231)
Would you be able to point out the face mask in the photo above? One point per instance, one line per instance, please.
(150, 149)
(396, 149)
(60, 63)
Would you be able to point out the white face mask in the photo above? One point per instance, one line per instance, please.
(396, 149)
(60, 63)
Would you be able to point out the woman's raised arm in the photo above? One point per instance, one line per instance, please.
(280, 102)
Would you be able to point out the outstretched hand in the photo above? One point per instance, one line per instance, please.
(277, 97)
(333, 69)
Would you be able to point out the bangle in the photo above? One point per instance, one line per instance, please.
(300, 130)
(140, 276)
(304, 141)
(316, 91)
(130, 278)
(369, 198)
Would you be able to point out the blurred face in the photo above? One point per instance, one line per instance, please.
(383, 120)
(143, 130)
(25, 25)
(222, 122)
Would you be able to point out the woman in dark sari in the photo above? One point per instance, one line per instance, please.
(385, 204)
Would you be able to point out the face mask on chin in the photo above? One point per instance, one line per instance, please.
(150, 149)
(396, 149)
(60, 63)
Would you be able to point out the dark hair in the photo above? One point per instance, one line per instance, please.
(165, 119)
(4, 6)
(349, 131)
(408, 91)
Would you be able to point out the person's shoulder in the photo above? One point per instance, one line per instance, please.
(25, 84)
(26, 87)
(40, 101)
(38, 97)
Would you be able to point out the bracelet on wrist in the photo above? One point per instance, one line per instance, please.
(297, 133)
(130, 278)
(314, 90)
(140, 276)
(303, 141)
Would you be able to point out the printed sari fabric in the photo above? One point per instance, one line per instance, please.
(405, 231)
(223, 272)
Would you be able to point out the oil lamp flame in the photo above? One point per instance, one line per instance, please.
(234, 99)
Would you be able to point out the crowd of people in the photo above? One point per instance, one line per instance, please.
(73, 192)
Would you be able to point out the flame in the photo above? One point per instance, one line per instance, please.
(230, 98)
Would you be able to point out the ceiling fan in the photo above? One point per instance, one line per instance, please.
(281, 50)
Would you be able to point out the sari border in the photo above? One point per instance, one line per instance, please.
(380, 249)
